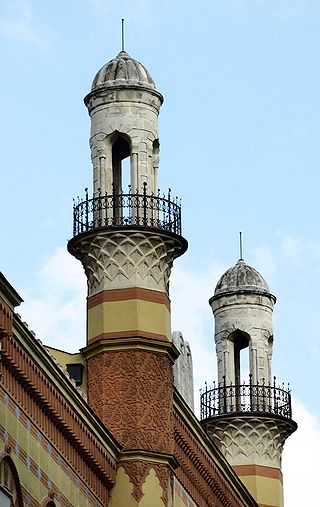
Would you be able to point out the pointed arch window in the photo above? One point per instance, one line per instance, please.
(240, 341)
(10, 484)
(121, 177)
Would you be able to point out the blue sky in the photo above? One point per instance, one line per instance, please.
(239, 132)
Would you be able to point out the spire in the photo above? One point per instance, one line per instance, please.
(122, 34)
(240, 246)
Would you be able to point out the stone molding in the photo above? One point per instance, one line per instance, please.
(142, 96)
(127, 343)
(127, 258)
(149, 456)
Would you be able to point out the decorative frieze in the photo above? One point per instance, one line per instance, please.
(250, 439)
(122, 259)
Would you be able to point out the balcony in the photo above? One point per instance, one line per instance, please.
(123, 210)
(245, 398)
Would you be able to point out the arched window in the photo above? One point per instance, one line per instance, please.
(241, 357)
(120, 170)
(155, 156)
(10, 484)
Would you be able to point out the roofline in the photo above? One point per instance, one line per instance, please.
(9, 292)
(65, 387)
(203, 439)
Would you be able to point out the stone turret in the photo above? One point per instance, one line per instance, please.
(127, 240)
(242, 306)
(248, 420)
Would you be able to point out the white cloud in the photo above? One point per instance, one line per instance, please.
(282, 9)
(133, 9)
(103, 6)
(17, 22)
(300, 250)
(264, 259)
(289, 8)
(55, 307)
(301, 459)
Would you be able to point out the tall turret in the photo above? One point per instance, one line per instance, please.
(248, 420)
(127, 240)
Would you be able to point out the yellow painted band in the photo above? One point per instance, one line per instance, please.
(126, 316)
(265, 491)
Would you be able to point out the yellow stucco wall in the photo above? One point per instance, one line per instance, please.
(121, 494)
(40, 467)
(65, 358)
(265, 490)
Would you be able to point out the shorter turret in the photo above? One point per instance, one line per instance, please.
(248, 420)
(242, 306)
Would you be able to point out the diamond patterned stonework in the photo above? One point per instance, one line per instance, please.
(247, 440)
(118, 259)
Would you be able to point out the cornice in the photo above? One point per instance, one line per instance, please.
(132, 343)
(9, 293)
(227, 473)
(150, 457)
(67, 391)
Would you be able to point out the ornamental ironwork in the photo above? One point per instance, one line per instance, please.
(131, 209)
(245, 398)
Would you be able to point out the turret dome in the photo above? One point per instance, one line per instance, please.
(241, 278)
(123, 71)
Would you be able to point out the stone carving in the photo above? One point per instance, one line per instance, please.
(131, 392)
(247, 440)
(182, 369)
(116, 259)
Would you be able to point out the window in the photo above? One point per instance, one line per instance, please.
(9, 482)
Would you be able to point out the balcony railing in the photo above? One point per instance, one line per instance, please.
(246, 398)
(132, 209)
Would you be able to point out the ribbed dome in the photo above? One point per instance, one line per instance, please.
(241, 277)
(123, 71)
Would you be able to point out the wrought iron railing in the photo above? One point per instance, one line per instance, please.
(228, 399)
(132, 209)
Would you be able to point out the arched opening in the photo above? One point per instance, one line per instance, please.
(270, 346)
(10, 492)
(121, 165)
(240, 355)
(155, 157)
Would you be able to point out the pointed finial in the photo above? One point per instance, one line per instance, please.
(122, 34)
(240, 246)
